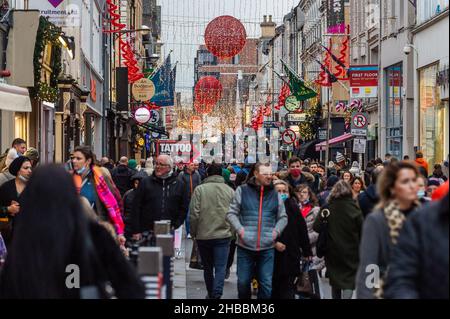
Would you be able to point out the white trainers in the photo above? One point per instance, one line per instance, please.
(189, 236)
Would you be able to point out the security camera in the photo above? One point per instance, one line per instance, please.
(407, 49)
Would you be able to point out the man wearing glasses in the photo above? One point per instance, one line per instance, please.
(160, 196)
(258, 215)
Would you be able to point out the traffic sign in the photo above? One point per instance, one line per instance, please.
(289, 136)
(360, 122)
(154, 117)
(359, 145)
(292, 104)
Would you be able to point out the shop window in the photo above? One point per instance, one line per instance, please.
(394, 110)
(432, 116)
(20, 126)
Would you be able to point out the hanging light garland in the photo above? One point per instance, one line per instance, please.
(225, 37)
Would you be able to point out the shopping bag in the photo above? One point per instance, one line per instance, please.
(195, 262)
(304, 285)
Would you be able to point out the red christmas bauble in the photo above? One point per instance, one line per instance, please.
(208, 92)
(225, 37)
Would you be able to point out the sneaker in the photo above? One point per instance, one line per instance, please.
(227, 273)
(189, 236)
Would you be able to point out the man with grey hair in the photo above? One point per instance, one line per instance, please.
(161, 196)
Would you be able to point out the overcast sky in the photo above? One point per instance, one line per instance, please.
(184, 23)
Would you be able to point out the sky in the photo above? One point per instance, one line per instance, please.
(184, 23)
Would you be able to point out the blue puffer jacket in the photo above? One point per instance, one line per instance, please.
(258, 211)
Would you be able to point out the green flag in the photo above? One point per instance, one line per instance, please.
(297, 85)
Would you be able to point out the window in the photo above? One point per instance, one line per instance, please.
(432, 116)
(429, 8)
(394, 110)
(96, 39)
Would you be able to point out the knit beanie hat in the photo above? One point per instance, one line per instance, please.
(132, 164)
(339, 157)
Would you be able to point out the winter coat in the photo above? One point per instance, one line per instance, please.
(419, 264)
(208, 209)
(318, 263)
(258, 211)
(121, 176)
(344, 233)
(128, 200)
(300, 181)
(375, 249)
(5, 176)
(295, 237)
(422, 162)
(190, 182)
(158, 199)
(368, 199)
(8, 193)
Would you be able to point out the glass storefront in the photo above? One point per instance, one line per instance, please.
(432, 116)
(394, 110)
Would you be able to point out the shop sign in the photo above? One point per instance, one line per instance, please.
(363, 81)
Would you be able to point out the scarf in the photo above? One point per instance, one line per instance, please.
(395, 220)
(106, 197)
(305, 209)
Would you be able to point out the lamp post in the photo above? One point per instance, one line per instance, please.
(407, 50)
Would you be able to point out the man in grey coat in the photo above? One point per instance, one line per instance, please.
(258, 215)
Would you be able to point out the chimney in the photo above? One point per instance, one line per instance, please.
(267, 28)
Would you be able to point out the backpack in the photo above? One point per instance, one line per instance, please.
(322, 240)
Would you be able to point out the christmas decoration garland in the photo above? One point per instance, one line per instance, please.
(47, 33)
(309, 127)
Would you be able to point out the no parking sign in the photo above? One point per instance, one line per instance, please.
(289, 137)
(360, 121)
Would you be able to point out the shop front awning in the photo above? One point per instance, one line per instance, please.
(340, 139)
(14, 98)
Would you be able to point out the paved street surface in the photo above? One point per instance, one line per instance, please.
(189, 283)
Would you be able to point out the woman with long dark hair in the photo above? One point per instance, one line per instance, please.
(10, 193)
(92, 185)
(398, 187)
(54, 241)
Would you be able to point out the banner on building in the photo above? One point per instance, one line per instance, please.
(62, 13)
(335, 17)
(363, 81)
(164, 82)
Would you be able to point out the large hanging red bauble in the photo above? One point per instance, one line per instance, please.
(225, 37)
(208, 92)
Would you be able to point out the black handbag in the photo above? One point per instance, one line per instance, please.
(322, 240)
(195, 262)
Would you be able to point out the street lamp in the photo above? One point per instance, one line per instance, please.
(409, 47)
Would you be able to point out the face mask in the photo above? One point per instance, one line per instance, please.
(23, 178)
(232, 177)
(284, 197)
(81, 170)
(296, 172)
(421, 194)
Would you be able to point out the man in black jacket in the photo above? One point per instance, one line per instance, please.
(121, 176)
(369, 198)
(161, 196)
(419, 264)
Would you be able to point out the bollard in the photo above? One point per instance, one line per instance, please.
(150, 266)
(161, 227)
(166, 244)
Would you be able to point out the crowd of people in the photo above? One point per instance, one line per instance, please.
(378, 232)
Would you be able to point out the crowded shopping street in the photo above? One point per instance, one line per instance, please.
(248, 150)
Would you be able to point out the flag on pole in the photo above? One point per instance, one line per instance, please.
(297, 85)
(164, 81)
(327, 77)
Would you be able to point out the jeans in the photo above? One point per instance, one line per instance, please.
(337, 293)
(262, 263)
(214, 255)
(187, 223)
